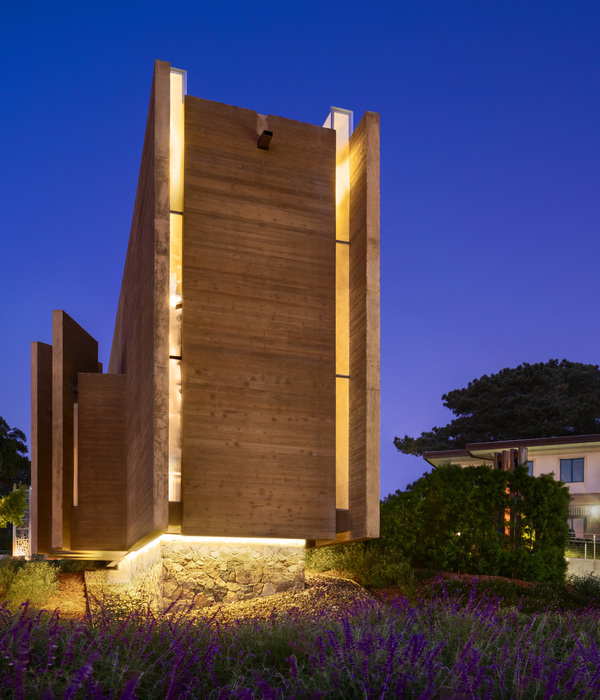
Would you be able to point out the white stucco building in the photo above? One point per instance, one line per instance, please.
(575, 460)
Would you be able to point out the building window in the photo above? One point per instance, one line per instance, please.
(530, 467)
(571, 470)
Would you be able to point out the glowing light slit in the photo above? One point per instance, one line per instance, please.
(341, 121)
(176, 151)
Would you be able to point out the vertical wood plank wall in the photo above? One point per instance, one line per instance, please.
(99, 521)
(73, 350)
(140, 341)
(41, 447)
(258, 367)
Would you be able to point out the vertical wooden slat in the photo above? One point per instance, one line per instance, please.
(41, 447)
(523, 455)
(73, 351)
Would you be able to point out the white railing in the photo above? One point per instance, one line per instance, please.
(583, 546)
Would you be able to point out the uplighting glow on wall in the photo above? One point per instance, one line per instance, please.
(341, 121)
(188, 539)
(178, 85)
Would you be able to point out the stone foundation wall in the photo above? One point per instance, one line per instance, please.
(205, 574)
(135, 583)
(185, 572)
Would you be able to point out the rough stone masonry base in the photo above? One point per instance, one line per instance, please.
(183, 572)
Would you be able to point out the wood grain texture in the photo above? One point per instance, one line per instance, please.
(41, 448)
(140, 341)
(99, 521)
(73, 351)
(258, 355)
(363, 468)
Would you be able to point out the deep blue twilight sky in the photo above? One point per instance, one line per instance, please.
(490, 161)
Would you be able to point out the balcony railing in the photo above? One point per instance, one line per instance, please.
(585, 545)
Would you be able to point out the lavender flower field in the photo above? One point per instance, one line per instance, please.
(446, 647)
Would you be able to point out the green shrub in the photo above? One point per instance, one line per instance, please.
(35, 581)
(368, 563)
(586, 586)
(66, 566)
(481, 521)
(8, 571)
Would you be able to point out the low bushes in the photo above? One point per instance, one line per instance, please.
(66, 566)
(369, 563)
(8, 571)
(34, 581)
(579, 594)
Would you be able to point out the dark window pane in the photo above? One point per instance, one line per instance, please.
(530, 467)
(578, 469)
(565, 470)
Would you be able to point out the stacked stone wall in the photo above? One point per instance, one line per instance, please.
(207, 574)
(175, 573)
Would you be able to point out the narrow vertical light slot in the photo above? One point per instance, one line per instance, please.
(175, 298)
(342, 309)
(342, 405)
(75, 454)
(176, 150)
(341, 121)
(176, 138)
(174, 430)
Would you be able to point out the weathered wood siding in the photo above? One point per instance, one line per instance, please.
(73, 351)
(99, 521)
(41, 447)
(258, 427)
(140, 341)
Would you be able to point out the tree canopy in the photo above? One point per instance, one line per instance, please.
(547, 399)
(15, 467)
(13, 506)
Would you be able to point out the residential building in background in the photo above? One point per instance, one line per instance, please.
(574, 459)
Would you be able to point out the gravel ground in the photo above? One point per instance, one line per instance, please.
(323, 594)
